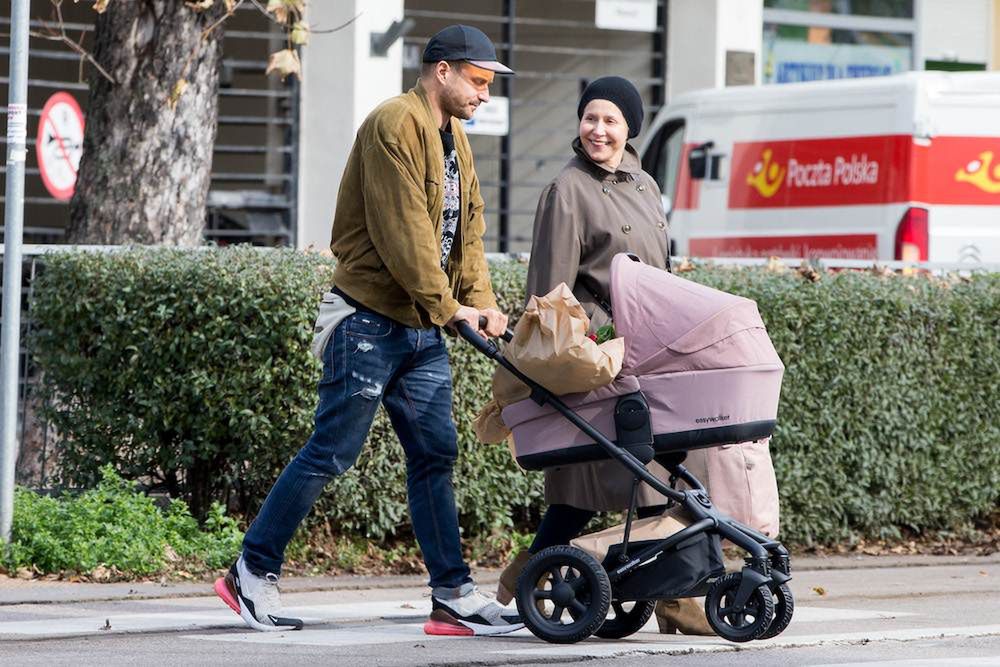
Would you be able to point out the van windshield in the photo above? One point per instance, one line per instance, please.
(671, 147)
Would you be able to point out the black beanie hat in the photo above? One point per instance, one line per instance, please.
(622, 93)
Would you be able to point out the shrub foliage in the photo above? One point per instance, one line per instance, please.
(192, 368)
(115, 526)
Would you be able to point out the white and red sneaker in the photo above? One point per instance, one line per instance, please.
(256, 599)
(470, 614)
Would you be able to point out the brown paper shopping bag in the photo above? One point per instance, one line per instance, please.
(550, 345)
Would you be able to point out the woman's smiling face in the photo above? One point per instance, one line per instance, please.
(603, 132)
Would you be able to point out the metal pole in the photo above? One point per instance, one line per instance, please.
(506, 143)
(10, 341)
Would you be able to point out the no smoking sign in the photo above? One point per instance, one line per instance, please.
(59, 144)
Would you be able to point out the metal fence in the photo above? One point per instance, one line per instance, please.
(556, 49)
(253, 195)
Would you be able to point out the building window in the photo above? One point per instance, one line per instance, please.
(884, 8)
(809, 40)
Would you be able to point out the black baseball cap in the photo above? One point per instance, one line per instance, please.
(463, 42)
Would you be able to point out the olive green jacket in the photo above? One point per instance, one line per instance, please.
(387, 227)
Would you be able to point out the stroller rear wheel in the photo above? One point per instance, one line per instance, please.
(738, 625)
(627, 621)
(784, 607)
(563, 595)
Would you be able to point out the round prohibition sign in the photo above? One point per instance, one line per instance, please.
(59, 144)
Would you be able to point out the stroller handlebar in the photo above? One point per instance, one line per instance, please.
(485, 346)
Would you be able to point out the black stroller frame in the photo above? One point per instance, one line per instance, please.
(753, 603)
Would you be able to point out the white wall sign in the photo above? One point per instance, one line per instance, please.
(637, 15)
(59, 144)
(492, 118)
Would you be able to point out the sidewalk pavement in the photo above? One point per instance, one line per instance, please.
(20, 591)
(910, 606)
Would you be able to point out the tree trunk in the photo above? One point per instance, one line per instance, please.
(146, 164)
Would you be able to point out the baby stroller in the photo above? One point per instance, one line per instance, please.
(699, 371)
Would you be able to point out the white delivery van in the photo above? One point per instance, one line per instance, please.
(901, 167)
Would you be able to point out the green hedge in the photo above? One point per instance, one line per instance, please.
(187, 368)
(192, 368)
(888, 406)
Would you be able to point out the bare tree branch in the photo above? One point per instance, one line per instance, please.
(61, 36)
(222, 19)
(263, 10)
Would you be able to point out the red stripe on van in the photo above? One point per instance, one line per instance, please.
(957, 170)
(820, 172)
(841, 246)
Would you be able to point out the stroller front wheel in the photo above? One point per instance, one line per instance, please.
(563, 595)
(784, 607)
(738, 624)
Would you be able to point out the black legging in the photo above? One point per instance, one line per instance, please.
(562, 523)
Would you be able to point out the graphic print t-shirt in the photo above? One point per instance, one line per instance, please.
(452, 196)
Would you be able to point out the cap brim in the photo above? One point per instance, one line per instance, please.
(492, 65)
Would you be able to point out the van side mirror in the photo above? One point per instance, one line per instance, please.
(698, 160)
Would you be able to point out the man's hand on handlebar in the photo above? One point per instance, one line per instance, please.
(496, 322)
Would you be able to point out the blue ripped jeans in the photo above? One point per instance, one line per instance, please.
(370, 358)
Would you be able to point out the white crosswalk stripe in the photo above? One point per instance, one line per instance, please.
(103, 623)
(201, 614)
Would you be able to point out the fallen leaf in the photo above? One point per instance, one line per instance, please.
(285, 10)
(685, 266)
(284, 62)
(775, 265)
(808, 272)
(819, 590)
(299, 34)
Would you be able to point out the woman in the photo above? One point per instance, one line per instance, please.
(601, 204)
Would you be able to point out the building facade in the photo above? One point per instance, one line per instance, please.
(282, 146)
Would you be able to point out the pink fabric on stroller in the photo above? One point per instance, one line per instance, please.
(701, 357)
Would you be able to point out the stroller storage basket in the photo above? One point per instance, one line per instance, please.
(679, 573)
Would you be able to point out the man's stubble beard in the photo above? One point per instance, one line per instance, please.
(455, 107)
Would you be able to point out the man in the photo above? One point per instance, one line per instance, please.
(407, 235)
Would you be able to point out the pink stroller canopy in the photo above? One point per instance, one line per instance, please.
(701, 358)
(663, 317)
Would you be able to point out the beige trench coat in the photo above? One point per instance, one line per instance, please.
(585, 217)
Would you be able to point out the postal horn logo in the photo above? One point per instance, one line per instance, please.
(767, 175)
(981, 173)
